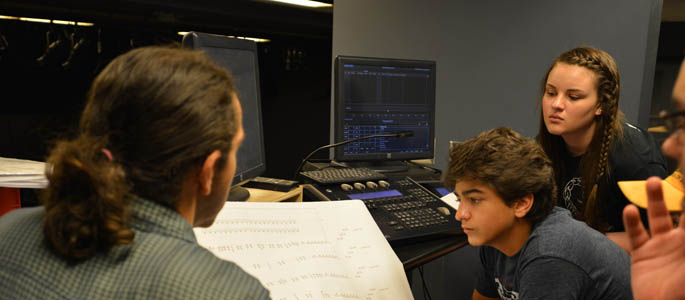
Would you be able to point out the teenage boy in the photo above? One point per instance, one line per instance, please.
(531, 249)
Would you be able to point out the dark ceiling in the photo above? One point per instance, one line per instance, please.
(258, 18)
(238, 17)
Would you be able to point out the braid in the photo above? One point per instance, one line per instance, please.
(602, 165)
(592, 208)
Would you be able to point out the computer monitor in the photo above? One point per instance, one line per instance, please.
(239, 57)
(382, 96)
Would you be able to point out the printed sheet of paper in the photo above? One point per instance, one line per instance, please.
(309, 250)
(451, 200)
(21, 173)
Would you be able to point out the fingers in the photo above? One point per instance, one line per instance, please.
(637, 235)
(659, 219)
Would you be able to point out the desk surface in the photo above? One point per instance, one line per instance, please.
(260, 195)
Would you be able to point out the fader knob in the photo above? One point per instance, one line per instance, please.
(384, 184)
(371, 184)
(359, 186)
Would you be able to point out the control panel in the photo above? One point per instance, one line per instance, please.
(404, 210)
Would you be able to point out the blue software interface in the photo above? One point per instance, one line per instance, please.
(386, 99)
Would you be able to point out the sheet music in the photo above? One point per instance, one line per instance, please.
(309, 250)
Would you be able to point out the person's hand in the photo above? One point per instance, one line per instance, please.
(658, 262)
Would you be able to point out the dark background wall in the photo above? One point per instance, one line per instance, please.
(669, 57)
(42, 100)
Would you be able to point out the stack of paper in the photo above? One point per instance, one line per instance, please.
(20, 173)
(309, 250)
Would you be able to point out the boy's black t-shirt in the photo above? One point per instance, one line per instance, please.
(562, 259)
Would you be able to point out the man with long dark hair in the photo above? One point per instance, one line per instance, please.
(154, 157)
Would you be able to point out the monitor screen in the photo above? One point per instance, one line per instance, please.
(239, 57)
(383, 96)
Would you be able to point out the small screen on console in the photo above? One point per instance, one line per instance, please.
(442, 191)
(373, 195)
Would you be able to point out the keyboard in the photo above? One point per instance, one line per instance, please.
(413, 216)
(332, 175)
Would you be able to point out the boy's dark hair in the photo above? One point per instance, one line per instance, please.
(510, 164)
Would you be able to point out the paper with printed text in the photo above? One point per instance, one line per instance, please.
(309, 250)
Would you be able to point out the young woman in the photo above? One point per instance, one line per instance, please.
(155, 157)
(590, 144)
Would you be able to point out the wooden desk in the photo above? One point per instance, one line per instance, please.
(259, 195)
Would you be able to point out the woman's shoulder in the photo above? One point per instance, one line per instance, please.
(636, 149)
(636, 139)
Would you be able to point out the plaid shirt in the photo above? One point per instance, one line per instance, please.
(164, 262)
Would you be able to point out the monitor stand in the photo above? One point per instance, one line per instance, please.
(382, 166)
(238, 193)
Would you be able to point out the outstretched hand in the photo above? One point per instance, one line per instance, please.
(657, 262)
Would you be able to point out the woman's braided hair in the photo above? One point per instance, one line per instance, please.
(594, 164)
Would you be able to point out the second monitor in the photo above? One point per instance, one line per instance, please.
(240, 58)
(382, 96)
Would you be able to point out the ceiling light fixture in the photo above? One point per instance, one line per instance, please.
(307, 3)
(37, 20)
(256, 40)
(34, 20)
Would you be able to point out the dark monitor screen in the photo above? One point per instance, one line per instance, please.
(239, 57)
(383, 96)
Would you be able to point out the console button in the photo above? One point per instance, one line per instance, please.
(444, 210)
(346, 187)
